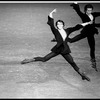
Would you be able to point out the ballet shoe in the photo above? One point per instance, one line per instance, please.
(94, 66)
(84, 77)
(93, 63)
(25, 61)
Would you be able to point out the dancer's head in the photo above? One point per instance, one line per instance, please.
(60, 24)
(88, 9)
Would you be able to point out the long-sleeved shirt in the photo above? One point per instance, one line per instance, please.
(61, 46)
(85, 18)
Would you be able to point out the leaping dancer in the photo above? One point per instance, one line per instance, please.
(61, 47)
(89, 30)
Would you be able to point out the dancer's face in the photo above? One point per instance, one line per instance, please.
(60, 25)
(89, 10)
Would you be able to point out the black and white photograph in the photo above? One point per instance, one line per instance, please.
(50, 49)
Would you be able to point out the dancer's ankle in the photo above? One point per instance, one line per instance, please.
(93, 60)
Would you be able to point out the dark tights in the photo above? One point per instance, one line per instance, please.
(67, 57)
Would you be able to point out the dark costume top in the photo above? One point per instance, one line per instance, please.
(62, 46)
(88, 29)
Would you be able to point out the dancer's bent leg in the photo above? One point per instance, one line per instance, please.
(46, 58)
(43, 59)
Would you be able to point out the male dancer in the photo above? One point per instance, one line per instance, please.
(61, 47)
(89, 30)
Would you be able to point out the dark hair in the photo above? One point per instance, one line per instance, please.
(60, 21)
(87, 6)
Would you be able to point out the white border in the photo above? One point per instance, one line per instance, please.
(49, 1)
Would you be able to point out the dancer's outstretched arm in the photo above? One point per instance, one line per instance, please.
(87, 23)
(76, 7)
(51, 13)
(50, 22)
(77, 27)
(50, 18)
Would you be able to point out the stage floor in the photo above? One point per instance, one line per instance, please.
(52, 79)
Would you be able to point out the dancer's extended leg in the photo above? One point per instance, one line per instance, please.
(91, 42)
(70, 60)
(43, 59)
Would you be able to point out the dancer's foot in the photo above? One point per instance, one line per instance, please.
(84, 77)
(93, 61)
(27, 61)
(94, 66)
